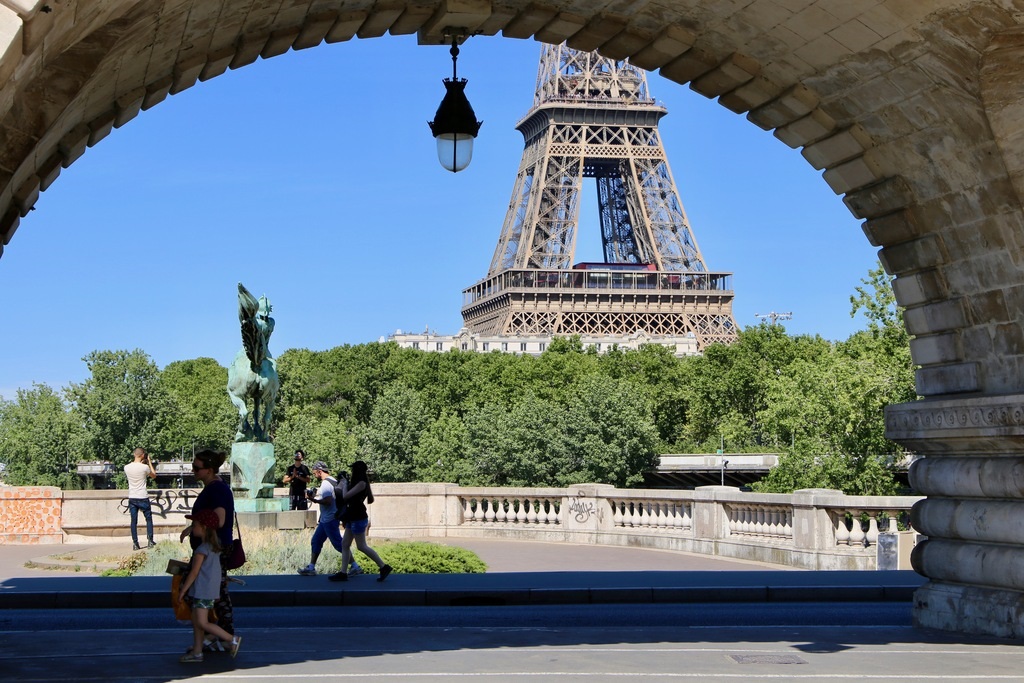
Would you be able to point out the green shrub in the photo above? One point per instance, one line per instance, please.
(409, 557)
(283, 552)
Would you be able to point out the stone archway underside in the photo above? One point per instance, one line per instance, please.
(911, 108)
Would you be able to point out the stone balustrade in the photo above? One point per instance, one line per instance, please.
(772, 524)
(501, 509)
(654, 513)
(810, 529)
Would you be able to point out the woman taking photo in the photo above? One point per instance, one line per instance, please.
(216, 496)
(355, 520)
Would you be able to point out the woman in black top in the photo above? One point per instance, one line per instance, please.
(356, 520)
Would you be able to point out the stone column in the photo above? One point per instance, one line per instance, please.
(585, 512)
(813, 526)
(973, 516)
(710, 519)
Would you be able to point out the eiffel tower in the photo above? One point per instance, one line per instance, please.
(593, 117)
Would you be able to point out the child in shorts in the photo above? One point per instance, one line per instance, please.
(202, 585)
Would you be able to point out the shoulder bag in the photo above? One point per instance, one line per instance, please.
(237, 557)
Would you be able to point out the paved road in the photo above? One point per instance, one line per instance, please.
(596, 644)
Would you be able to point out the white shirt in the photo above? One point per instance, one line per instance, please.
(328, 510)
(137, 473)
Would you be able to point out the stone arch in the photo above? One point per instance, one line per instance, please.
(908, 109)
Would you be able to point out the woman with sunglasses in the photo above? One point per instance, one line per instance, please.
(216, 496)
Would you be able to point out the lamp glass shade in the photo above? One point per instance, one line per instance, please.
(454, 150)
(454, 127)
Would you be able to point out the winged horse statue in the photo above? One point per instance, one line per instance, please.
(253, 374)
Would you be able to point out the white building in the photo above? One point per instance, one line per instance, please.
(533, 345)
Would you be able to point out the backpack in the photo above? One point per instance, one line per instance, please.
(340, 486)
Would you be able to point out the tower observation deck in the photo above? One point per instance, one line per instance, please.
(593, 117)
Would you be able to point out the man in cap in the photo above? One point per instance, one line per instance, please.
(329, 525)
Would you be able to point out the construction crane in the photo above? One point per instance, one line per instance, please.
(774, 317)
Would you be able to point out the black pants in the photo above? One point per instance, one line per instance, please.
(299, 501)
(222, 605)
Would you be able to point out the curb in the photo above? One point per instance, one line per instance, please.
(48, 563)
(460, 591)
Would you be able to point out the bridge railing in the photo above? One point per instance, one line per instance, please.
(812, 529)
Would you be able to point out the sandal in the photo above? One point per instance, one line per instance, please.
(209, 645)
(189, 657)
(236, 643)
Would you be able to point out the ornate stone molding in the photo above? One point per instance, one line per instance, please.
(987, 424)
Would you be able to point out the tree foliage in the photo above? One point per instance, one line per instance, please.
(388, 443)
(36, 438)
(568, 416)
(120, 406)
(202, 415)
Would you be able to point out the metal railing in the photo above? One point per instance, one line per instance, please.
(635, 282)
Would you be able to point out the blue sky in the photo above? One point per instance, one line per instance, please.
(312, 178)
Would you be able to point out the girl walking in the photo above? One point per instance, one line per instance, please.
(203, 585)
(356, 520)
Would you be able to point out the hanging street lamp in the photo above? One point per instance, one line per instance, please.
(455, 125)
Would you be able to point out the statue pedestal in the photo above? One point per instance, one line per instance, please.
(273, 505)
(252, 478)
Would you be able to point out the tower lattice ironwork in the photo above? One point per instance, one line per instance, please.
(593, 117)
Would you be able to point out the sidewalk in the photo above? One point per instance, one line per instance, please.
(519, 573)
(500, 557)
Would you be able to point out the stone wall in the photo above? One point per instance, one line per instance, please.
(30, 514)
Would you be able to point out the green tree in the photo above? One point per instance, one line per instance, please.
(867, 475)
(728, 388)
(320, 436)
(344, 381)
(611, 434)
(831, 405)
(442, 454)
(120, 406)
(878, 302)
(519, 445)
(537, 434)
(491, 441)
(388, 442)
(882, 371)
(659, 375)
(202, 414)
(36, 439)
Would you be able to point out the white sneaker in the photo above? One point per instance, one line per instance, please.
(308, 570)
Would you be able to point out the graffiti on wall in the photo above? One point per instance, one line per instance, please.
(582, 509)
(166, 501)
